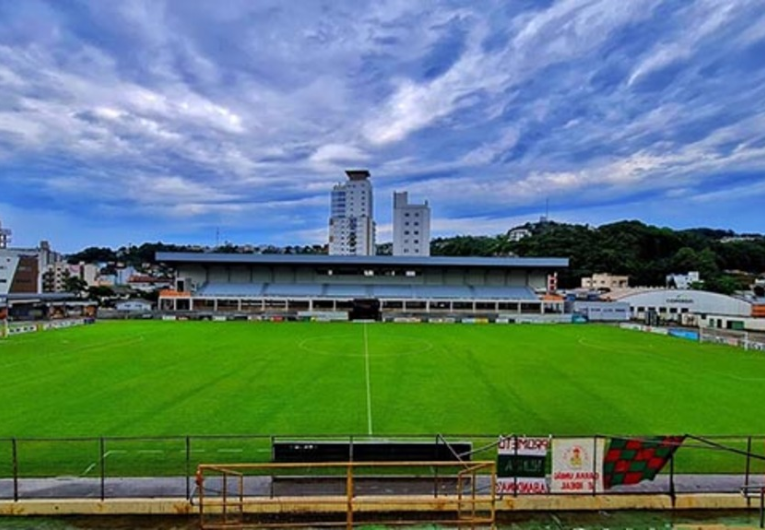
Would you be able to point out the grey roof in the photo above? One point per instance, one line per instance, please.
(323, 259)
(33, 297)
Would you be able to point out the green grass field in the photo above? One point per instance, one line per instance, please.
(177, 378)
(217, 378)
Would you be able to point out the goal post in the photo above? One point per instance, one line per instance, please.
(346, 494)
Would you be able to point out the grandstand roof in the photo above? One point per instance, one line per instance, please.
(323, 259)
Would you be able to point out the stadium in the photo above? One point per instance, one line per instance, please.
(335, 286)
(421, 374)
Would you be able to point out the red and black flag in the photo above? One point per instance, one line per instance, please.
(629, 461)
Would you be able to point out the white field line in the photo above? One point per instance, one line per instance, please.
(230, 450)
(369, 382)
(92, 466)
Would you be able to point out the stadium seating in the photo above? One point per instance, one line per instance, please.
(348, 290)
(392, 291)
(231, 289)
(292, 289)
(396, 292)
(439, 291)
(503, 293)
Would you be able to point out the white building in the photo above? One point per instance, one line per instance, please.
(57, 273)
(605, 281)
(5, 236)
(516, 234)
(411, 227)
(351, 224)
(682, 281)
(679, 305)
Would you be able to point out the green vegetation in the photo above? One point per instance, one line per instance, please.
(151, 379)
(646, 253)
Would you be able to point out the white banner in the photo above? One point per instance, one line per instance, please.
(577, 465)
(521, 465)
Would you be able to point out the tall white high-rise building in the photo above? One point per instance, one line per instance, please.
(351, 222)
(411, 227)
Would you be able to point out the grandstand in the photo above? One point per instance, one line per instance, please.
(279, 284)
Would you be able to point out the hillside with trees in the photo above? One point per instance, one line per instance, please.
(725, 260)
(646, 253)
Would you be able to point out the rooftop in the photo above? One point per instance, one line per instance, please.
(398, 261)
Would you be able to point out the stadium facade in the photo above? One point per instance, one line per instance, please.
(278, 284)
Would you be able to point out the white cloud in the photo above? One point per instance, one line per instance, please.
(226, 113)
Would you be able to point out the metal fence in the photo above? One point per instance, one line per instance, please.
(124, 467)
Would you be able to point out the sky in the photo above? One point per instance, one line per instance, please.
(196, 122)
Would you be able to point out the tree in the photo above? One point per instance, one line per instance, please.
(75, 284)
(99, 292)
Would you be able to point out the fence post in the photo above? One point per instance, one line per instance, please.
(672, 479)
(102, 460)
(435, 469)
(273, 459)
(748, 466)
(15, 455)
(515, 465)
(188, 467)
(595, 472)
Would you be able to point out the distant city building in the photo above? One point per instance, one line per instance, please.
(22, 269)
(605, 281)
(736, 239)
(56, 275)
(147, 284)
(411, 227)
(516, 234)
(682, 281)
(5, 236)
(351, 222)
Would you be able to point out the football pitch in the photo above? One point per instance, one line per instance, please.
(153, 378)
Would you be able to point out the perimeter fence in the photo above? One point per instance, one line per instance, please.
(125, 467)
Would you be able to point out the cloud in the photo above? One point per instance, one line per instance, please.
(183, 118)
